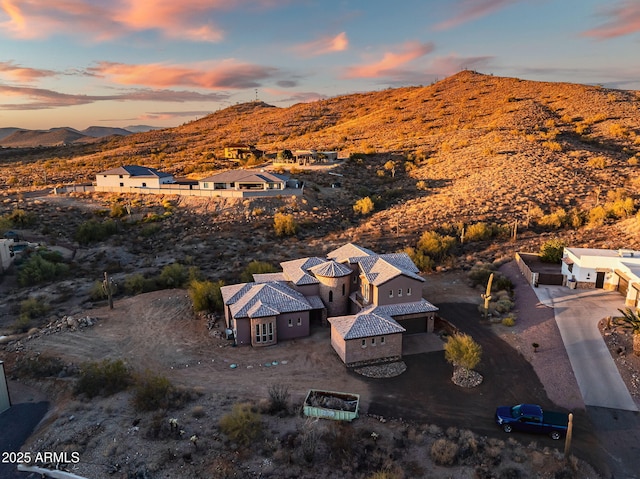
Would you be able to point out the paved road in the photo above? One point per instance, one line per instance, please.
(577, 314)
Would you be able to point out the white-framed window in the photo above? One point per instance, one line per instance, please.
(290, 322)
(373, 341)
(205, 185)
(409, 291)
(299, 321)
(399, 292)
(264, 333)
(364, 343)
(391, 293)
(381, 339)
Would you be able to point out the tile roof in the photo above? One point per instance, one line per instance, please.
(138, 171)
(348, 252)
(296, 270)
(379, 269)
(254, 176)
(331, 269)
(365, 325)
(267, 277)
(254, 300)
(422, 306)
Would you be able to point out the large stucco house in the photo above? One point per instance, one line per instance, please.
(368, 300)
(614, 270)
(133, 176)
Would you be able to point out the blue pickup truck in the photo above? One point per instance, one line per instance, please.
(531, 418)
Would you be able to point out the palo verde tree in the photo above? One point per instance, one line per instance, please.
(462, 352)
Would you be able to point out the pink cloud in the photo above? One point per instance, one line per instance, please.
(624, 19)
(469, 10)
(324, 45)
(227, 74)
(19, 73)
(100, 20)
(390, 61)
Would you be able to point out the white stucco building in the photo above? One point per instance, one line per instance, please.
(614, 270)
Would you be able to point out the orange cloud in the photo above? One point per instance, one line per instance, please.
(227, 74)
(624, 19)
(324, 45)
(23, 74)
(469, 10)
(100, 20)
(390, 61)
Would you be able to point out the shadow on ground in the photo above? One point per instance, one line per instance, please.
(425, 392)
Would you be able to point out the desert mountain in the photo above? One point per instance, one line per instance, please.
(102, 131)
(21, 138)
(471, 147)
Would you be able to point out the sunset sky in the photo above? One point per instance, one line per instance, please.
(80, 63)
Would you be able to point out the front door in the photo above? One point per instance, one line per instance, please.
(599, 279)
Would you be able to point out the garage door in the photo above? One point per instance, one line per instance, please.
(414, 325)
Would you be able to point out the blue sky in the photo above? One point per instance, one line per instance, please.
(166, 62)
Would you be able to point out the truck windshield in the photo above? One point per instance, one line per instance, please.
(515, 411)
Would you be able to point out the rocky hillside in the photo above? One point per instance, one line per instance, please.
(469, 148)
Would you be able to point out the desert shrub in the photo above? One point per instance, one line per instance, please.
(206, 295)
(387, 474)
(93, 231)
(599, 162)
(551, 250)
(422, 261)
(278, 398)
(117, 210)
(481, 231)
(552, 145)
(150, 229)
(256, 267)
(597, 215)
(363, 206)
(36, 269)
(341, 439)
(97, 292)
(309, 439)
(461, 350)
(38, 367)
(242, 425)
(134, 284)
(435, 245)
(20, 218)
(502, 283)
(480, 272)
(422, 185)
(30, 309)
(103, 378)
(554, 220)
(173, 275)
(504, 305)
(509, 321)
(152, 392)
(444, 452)
(618, 130)
(284, 224)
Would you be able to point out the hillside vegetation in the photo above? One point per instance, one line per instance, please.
(545, 158)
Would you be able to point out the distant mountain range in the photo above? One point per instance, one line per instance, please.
(11, 137)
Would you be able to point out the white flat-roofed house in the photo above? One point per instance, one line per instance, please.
(133, 176)
(613, 270)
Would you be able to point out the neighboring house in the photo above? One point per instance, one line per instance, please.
(244, 180)
(132, 176)
(307, 157)
(614, 270)
(370, 301)
(241, 152)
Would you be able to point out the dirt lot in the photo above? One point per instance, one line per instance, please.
(158, 332)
